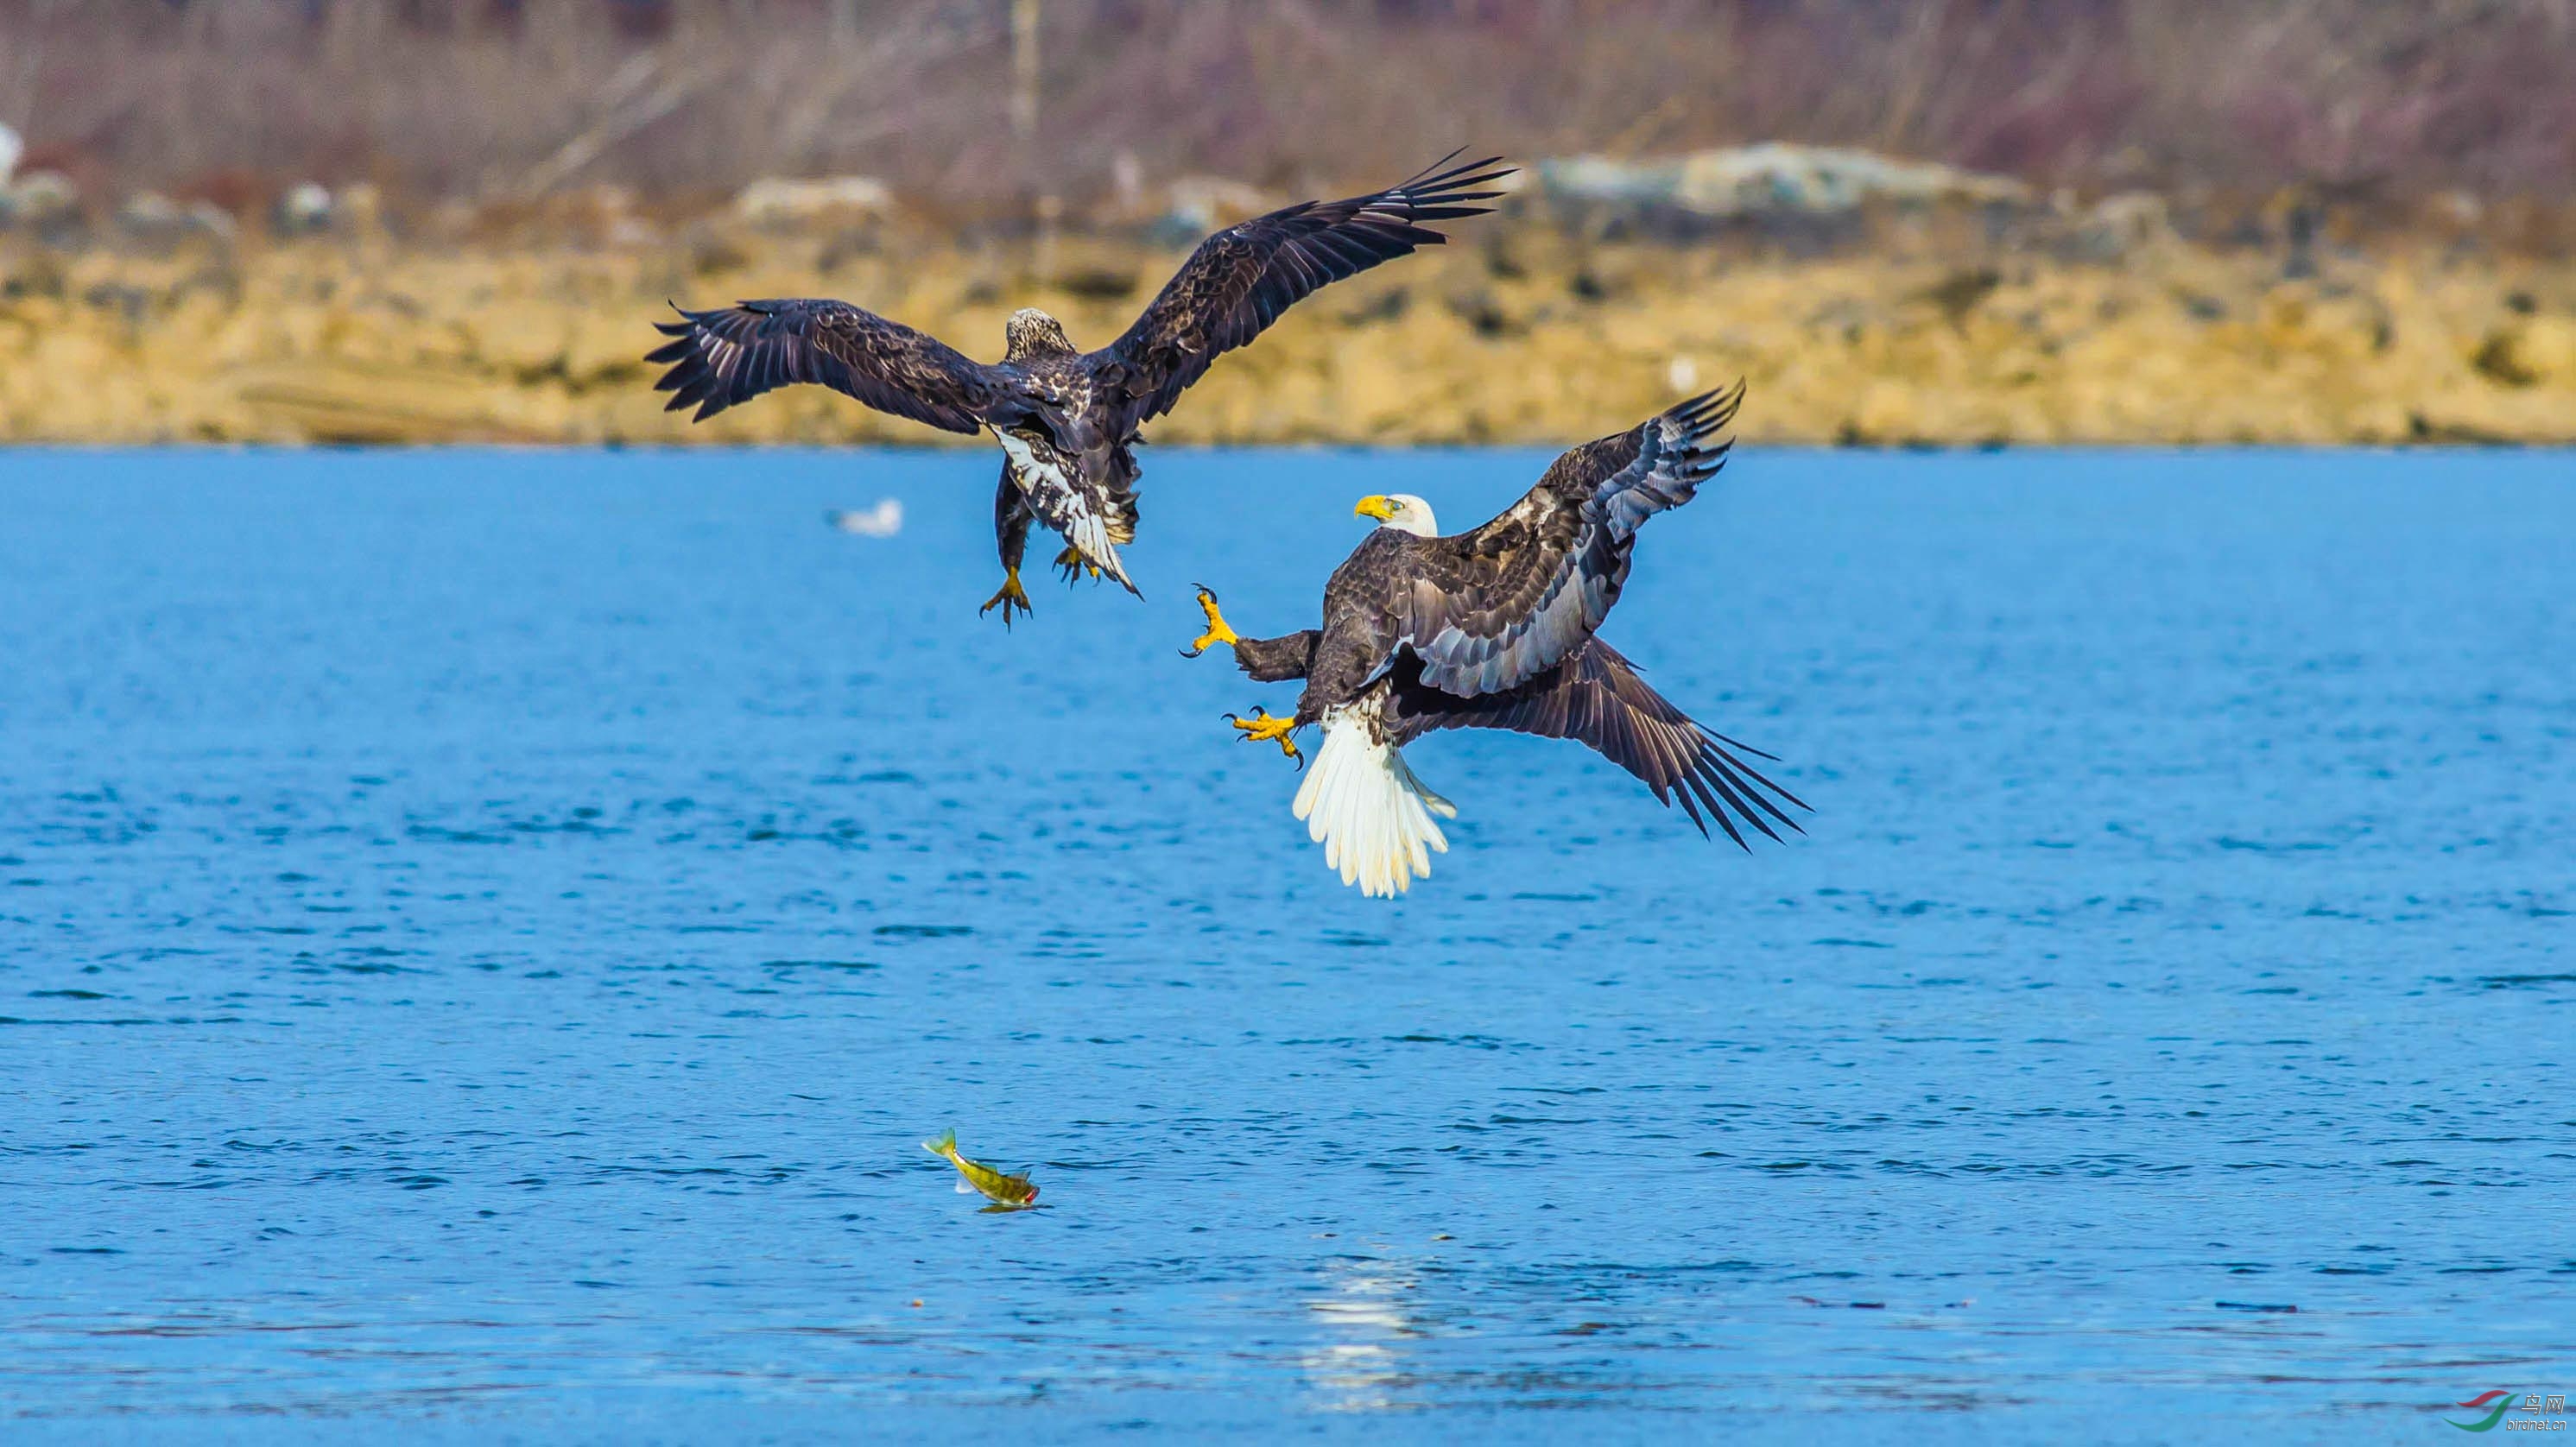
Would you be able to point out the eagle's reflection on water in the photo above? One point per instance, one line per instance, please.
(1362, 1362)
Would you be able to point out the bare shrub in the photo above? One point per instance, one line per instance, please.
(496, 98)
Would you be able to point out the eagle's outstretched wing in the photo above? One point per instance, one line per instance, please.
(1243, 277)
(733, 354)
(1490, 609)
(1595, 695)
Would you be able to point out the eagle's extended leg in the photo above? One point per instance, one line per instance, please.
(1218, 631)
(1011, 530)
(1073, 563)
(1010, 595)
(1269, 730)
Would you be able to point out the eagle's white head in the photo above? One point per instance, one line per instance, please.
(1401, 511)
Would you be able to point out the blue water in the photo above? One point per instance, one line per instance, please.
(482, 934)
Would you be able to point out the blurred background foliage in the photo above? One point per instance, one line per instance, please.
(2382, 103)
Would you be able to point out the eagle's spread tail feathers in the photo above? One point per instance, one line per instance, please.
(1087, 534)
(1092, 519)
(1364, 805)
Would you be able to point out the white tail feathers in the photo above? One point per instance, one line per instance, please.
(1370, 813)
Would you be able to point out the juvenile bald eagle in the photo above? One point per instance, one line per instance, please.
(1496, 628)
(1067, 420)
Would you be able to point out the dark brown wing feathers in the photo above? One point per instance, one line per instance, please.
(1490, 608)
(732, 354)
(1596, 697)
(1494, 628)
(1242, 278)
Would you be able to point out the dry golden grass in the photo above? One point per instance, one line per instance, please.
(1527, 336)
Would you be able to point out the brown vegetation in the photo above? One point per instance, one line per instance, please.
(2381, 106)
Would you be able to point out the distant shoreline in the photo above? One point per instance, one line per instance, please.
(1518, 335)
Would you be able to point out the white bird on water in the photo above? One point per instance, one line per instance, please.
(882, 521)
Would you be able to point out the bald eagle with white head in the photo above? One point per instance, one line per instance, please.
(1496, 628)
(1067, 420)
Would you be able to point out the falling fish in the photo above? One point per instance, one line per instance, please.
(881, 521)
(1012, 1192)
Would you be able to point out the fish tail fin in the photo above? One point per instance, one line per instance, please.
(945, 1147)
(1365, 806)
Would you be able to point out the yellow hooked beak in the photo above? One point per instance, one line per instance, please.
(1375, 506)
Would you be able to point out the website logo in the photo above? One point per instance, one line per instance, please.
(2539, 1413)
(2503, 1402)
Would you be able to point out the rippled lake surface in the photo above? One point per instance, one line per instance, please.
(483, 934)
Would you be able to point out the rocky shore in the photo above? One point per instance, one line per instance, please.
(1531, 330)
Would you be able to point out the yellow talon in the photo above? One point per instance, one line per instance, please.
(1264, 727)
(1071, 560)
(1012, 595)
(1218, 631)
